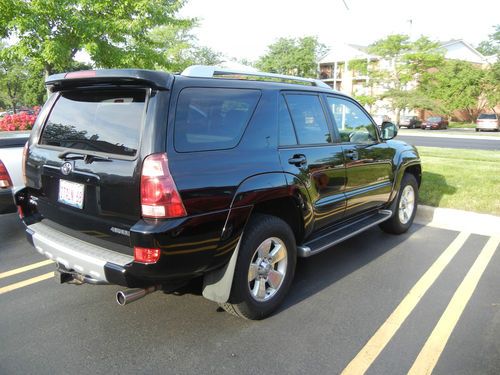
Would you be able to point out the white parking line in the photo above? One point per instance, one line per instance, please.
(435, 344)
(372, 349)
(25, 268)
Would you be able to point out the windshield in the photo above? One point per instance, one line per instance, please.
(101, 120)
(487, 116)
(434, 119)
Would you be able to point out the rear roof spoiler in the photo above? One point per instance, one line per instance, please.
(151, 78)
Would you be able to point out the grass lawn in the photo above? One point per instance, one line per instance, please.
(460, 125)
(462, 179)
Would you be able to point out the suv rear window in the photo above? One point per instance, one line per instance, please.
(212, 118)
(487, 116)
(99, 120)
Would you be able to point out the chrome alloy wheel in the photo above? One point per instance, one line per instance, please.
(267, 269)
(406, 204)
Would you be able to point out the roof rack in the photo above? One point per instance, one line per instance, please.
(206, 71)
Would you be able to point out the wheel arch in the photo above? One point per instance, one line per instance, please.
(266, 193)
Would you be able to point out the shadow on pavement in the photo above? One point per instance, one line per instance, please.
(320, 271)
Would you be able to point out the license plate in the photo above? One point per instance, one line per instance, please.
(71, 193)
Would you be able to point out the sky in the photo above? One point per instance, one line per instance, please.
(243, 29)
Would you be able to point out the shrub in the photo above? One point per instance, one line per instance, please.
(19, 121)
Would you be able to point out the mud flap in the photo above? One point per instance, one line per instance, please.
(217, 284)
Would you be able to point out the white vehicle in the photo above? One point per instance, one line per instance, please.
(11, 177)
(487, 121)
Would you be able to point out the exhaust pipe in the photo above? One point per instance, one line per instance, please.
(124, 297)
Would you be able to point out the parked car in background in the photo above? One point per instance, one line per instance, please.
(435, 122)
(410, 122)
(11, 179)
(380, 119)
(488, 121)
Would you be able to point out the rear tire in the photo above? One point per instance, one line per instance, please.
(264, 269)
(405, 207)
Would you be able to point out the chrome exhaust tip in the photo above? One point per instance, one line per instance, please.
(124, 297)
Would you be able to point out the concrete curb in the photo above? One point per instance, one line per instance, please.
(458, 220)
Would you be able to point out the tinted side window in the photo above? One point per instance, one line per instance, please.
(212, 118)
(309, 119)
(353, 124)
(287, 134)
(102, 120)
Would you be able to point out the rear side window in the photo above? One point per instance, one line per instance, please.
(309, 119)
(286, 134)
(212, 118)
(98, 120)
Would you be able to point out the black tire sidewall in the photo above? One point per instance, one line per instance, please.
(394, 225)
(408, 179)
(259, 228)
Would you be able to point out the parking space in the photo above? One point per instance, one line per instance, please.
(374, 303)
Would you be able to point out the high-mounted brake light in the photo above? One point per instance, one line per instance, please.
(5, 181)
(159, 195)
(81, 74)
(146, 255)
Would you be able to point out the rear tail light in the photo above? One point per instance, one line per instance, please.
(146, 255)
(23, 165)
(159, 195)
(20, 212)
(5, 181)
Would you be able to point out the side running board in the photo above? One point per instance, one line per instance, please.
(317, 245)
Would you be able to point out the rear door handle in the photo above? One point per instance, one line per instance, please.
(298, 160)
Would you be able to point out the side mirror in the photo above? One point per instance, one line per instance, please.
(388, 130)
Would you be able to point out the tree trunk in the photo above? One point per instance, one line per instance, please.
(48, 70)
(398, 115)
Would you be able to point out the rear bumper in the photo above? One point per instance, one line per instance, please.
(487, 126)
(94, 262)
(7, 204)
(190, 246)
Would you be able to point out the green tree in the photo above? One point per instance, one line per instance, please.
(491, 82)
(203, 56)
(458, 85)
(297, 57)
(411, 64)
(491, 46)
(491, 86)
(12, 80)
(115, 34)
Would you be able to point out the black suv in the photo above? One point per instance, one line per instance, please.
(148, 180)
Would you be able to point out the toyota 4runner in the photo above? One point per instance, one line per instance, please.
(146, 179)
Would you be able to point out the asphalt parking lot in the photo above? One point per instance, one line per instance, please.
(381, 303)
(451, 138)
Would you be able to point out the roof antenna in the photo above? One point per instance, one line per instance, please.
(345, 4)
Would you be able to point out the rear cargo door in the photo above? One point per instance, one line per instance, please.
(86, 165)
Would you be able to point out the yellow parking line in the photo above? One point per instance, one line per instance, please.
(388, 329)
(20, 284)
(25, 268)
(434, 346)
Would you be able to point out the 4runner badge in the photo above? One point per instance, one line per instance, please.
(66, 168)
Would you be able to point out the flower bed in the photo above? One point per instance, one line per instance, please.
(19, 121)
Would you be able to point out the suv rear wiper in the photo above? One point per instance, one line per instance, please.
(87, 157)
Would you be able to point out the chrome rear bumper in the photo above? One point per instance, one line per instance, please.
(74, 254)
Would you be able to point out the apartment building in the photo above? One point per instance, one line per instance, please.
(335, 70)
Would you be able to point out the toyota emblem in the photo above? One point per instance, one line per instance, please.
(66, 168)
